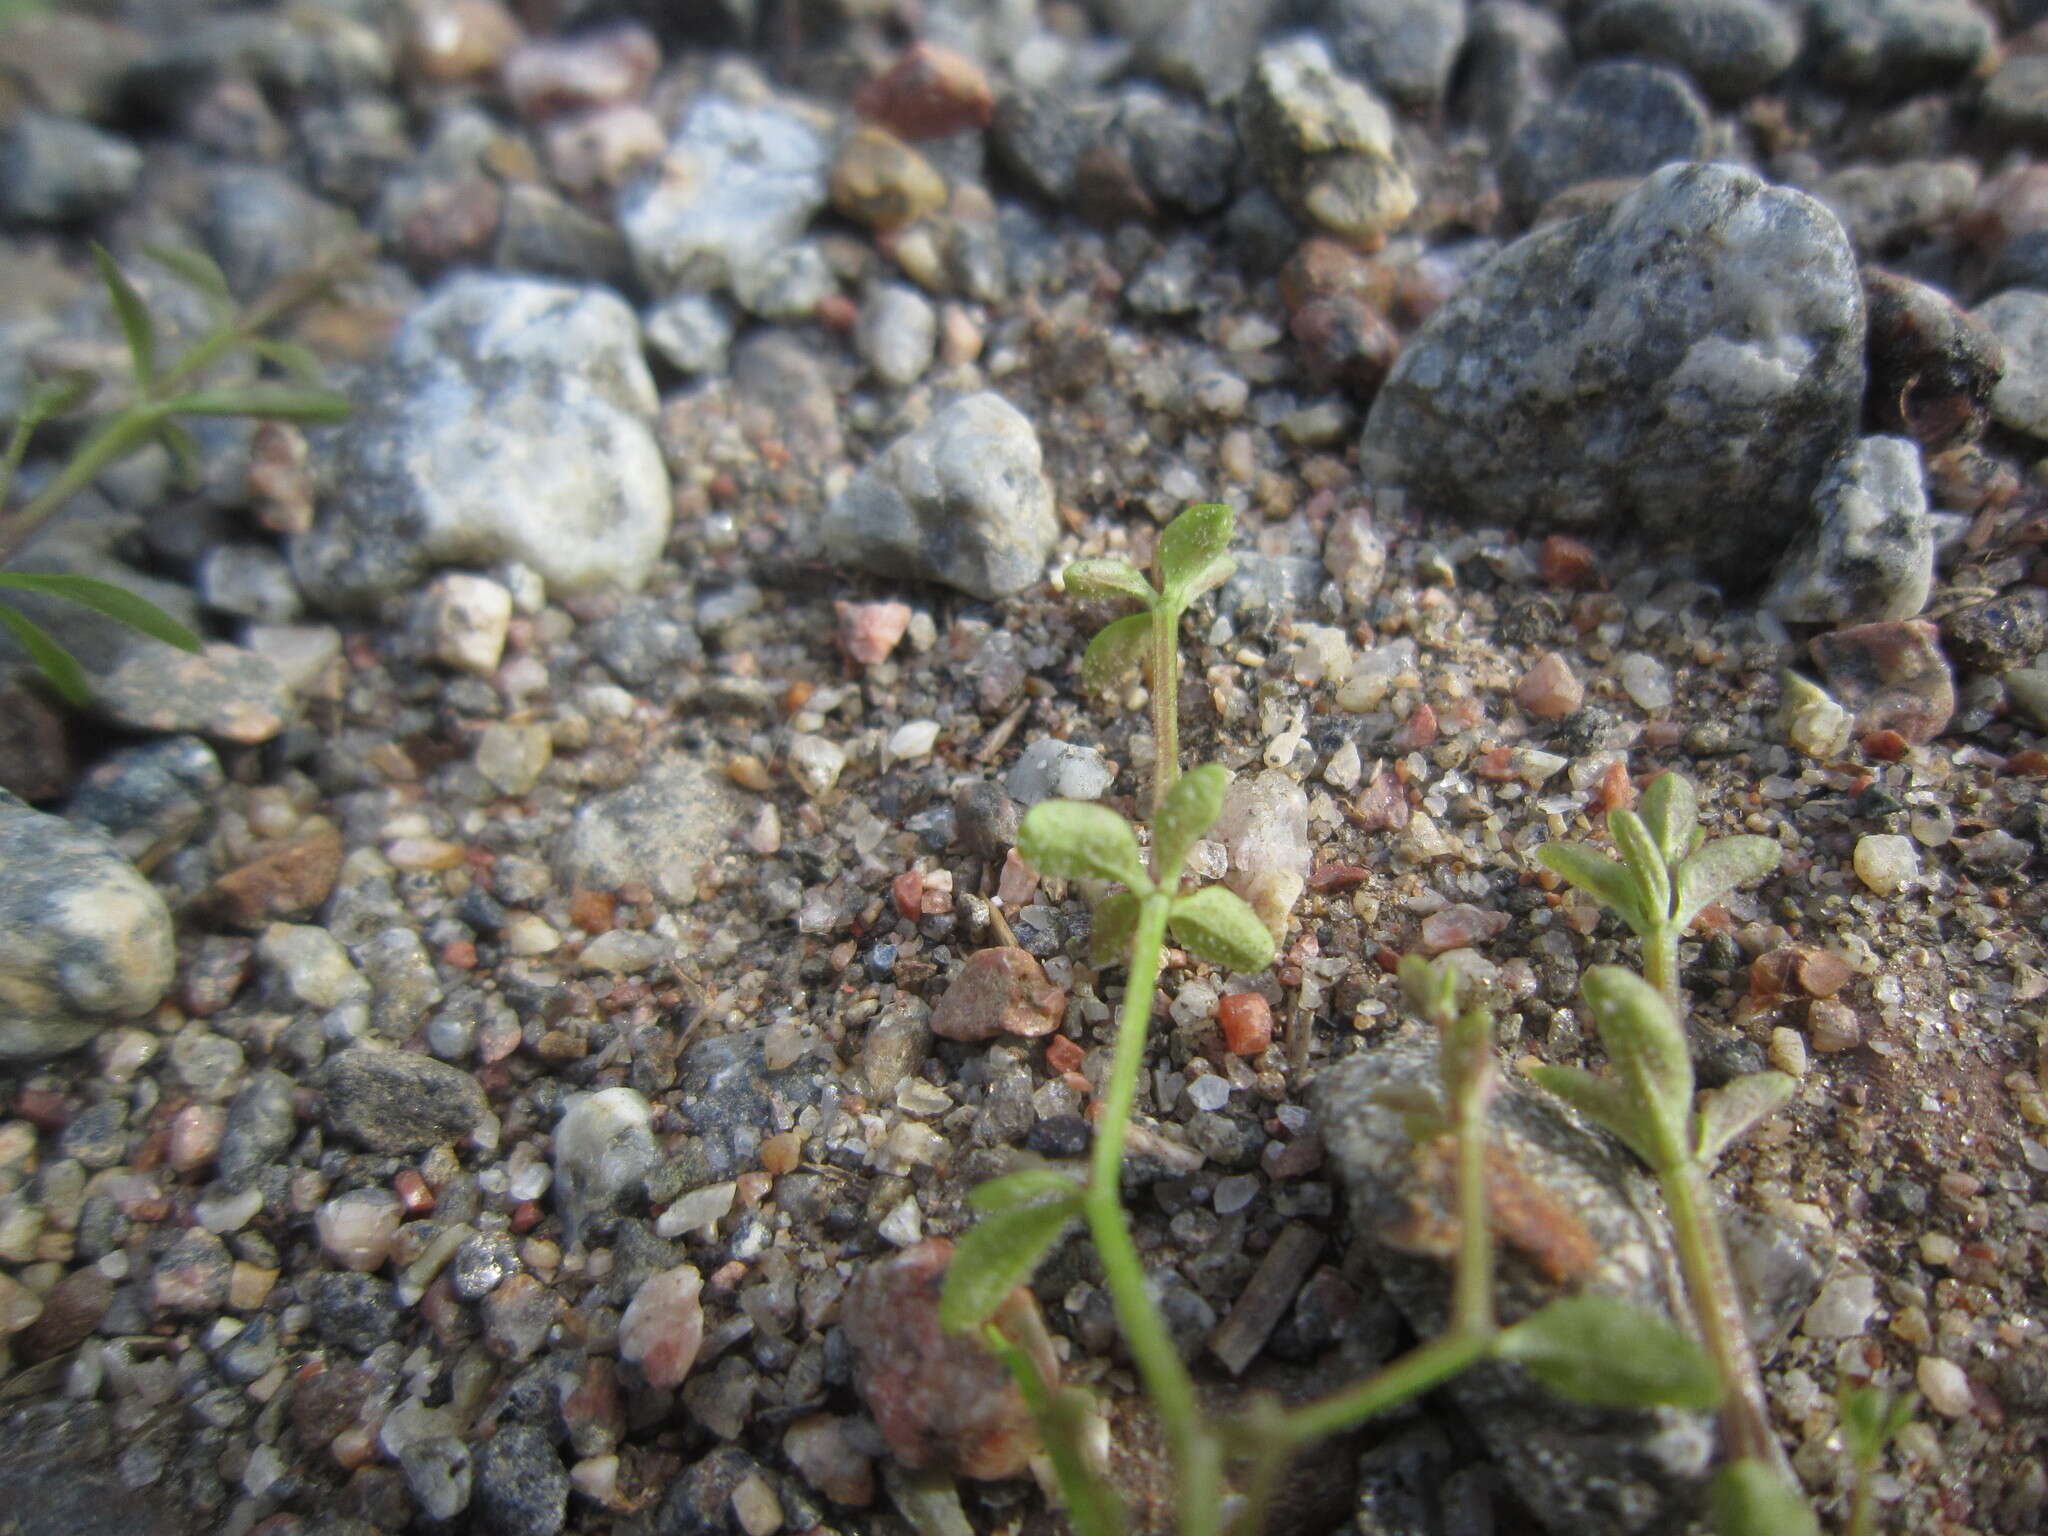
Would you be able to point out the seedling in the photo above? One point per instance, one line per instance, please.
(1194, 557)
(1871, 1420)
(162, 395)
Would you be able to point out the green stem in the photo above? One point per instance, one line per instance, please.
(120, 436)
(1862, 1506)
(1422, 1368)
(1167, 1381)
(1165, 671)
(1472, 1294)
(1660, 965)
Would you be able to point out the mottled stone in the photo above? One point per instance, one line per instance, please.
(999, 991)
(1616, 120)
(394, 1101)
(2019, 319)
(1871, 553)
(224, 692)
(1732, 48)
(1324, 143)
(658, 830)
(1892, 675)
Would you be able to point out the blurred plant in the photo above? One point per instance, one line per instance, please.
(163, 394)
(1871, 1419)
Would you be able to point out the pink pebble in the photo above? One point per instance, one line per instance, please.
(196, 1131)
(1548, 690)
(664, 1325)
(868, 632)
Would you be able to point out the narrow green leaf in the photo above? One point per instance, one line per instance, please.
(1107, 578)
(1871, 1419)
(136, 325)
(301, 363)
(51, 659)
(1601, 1350)
(1116, 923)
(1671, 811)
(1718, 868)
(1639, 852)
(1191, 809)
(196, 268)
(1748, 1497)
(185, 454)
(117, 603)
(1431, 987)
(281, 402)
(995, 1256)
(1027, 1186)
(55, 396)
(1076, 839)
(1217, 925)
(1647, 1047)
(1601, 1100)
(1599, 877)
(1194, 553)
(1120, 648)
(1728, 1113)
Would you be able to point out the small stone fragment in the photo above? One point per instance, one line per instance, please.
(1893, 675)
(999, 991)
(1945, 1387)
(868, 632)
(356, 1229)
(824, 1455)
(663, 1326)
(928, 93)
(1886, 862)
(1548, 690)
(1247, 1022)
(604, 1150)
(467, 617)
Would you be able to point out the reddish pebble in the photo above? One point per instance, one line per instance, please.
(1292, 1159)
(663, 1326)
(1063, 1055)
(1548, 690)
(414, 1197)
(43, 1109)
(1017, 883)
(999, 991)
(593, 911)
(1338, 877)
(1247, 1020)
(1885, 746)
(836, 312)
(460, 953)
(196, 1132)
(868, 632)
(1497, 766)
(1892, 674)
(1617, 791)
(525, 1216)
(597, 69)
(1460, 926)
(907, 892)
(927, 93)
(1418, 730)
(1382, 805)
(2032, 763)
(1567, 562)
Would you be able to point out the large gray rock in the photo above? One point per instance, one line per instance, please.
(1617, 119)
(1323, 142)
(740, 181)
(1731, 48)
(1871, 554)
(511, 421)
(961, 500)
(2019, 319)
(1683, 368)
(657, 830)
(84, 939)
(57, 170)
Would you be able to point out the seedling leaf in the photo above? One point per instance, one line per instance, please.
(1598, 876)
(51, 659)
(195, 267)
(1118, 649)
(55, 395)
(1431, 987)
(116, 603)
(1107, 578)
(1648, 1049)
(136, 326)
(1718, 868)
(1727, 1114)
(1601, 1350)
(1116, 921)
(1194, 553)
(1671, 812)
(1750, 1498)
(1217, 925)
(1601, 1100)
(1075, 839)
(1640, 854)
(998, 1254)
(1871, 1420)
(282, 402)
(184, 450)
(1027, 1186)
(298, 361)
(1191, 808)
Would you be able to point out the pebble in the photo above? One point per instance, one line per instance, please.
(225, 692)
(974, 471)
(1832, 1026)
(815, 763)
(549, 78)
(58, 170)
(191, 1278)
(521, 1486)
(1995, 636)
(459, 40)
(824, 1455)
(1405, 49)
(1945, 1387)
(467, 618)
(250, 581)
(2019, 319)
(1549, 690)
(692, 331)
(1870, 555)
(604, 1150)
(1247, 1022)
(1892, 675)
(1051, 769)
(1886, 862)
(1616, 120)
(1889, 49)
(512, 758)
(868, 632)
(1731, 48)
(1324, 143)
(911, 742)
(656, 831)
(149, 799)
(882, 183)
(999, 991)
(897, 334)
(663, 1326)
(395, 1101)
(929, 92)
(438, 1474)
(358, 1228)
(310, 966)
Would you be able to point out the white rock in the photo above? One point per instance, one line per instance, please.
(1944, 1385)
(357, 1229)
(663, 1326)
(1843, 1308)
(604, 1150)
(1887, 862)
(815, 764)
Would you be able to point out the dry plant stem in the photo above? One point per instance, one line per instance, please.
(1167, 1382)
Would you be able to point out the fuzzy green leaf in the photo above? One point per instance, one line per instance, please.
(1027, 1186)
(1601, 1350)
(184, 451)
(1120, 648)
(195, 267)
(1749, 1497)
(1644, 861)
(998, 1254)
(1430, 986)
(51, 659)
(1718, 868)
(280, 402)
(1190, 809)
(117, 603)
(1728, 1113)
(1871, 1419)
(299, 362)
(1217, 925)
(1601, 1100)
(1116, 923)
(1671, 812)
(1600, 877)
(137, 328)
(1107, 578)
(1194, 553)
(1076, 839)
(1647, 1047)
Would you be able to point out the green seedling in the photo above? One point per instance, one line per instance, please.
(164, 394)
(1871, 1420)
(1194, 558)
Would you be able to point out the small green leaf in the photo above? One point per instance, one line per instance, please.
(1120, 648)
(1107, 578)
(1217, 925)
(280, 402)
(1749, 1497)
(300, 362)
(995, 1256)
(56, 395)
(1194, 552)
(1431, 988)
(1601, 1100)
(185, 454)
(132, 313)
(1871, 1419)
(1649, 1053)
(1116, 923)
(51, 659)
(1076, 839)
(195, 267)
(1191, 809)
(117, 603)
(1671, 812)
(1728, 1113)
(1718, 868)
(1645, 863)
(1601, 1350)
(1027, 1186)
(1599, 877)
